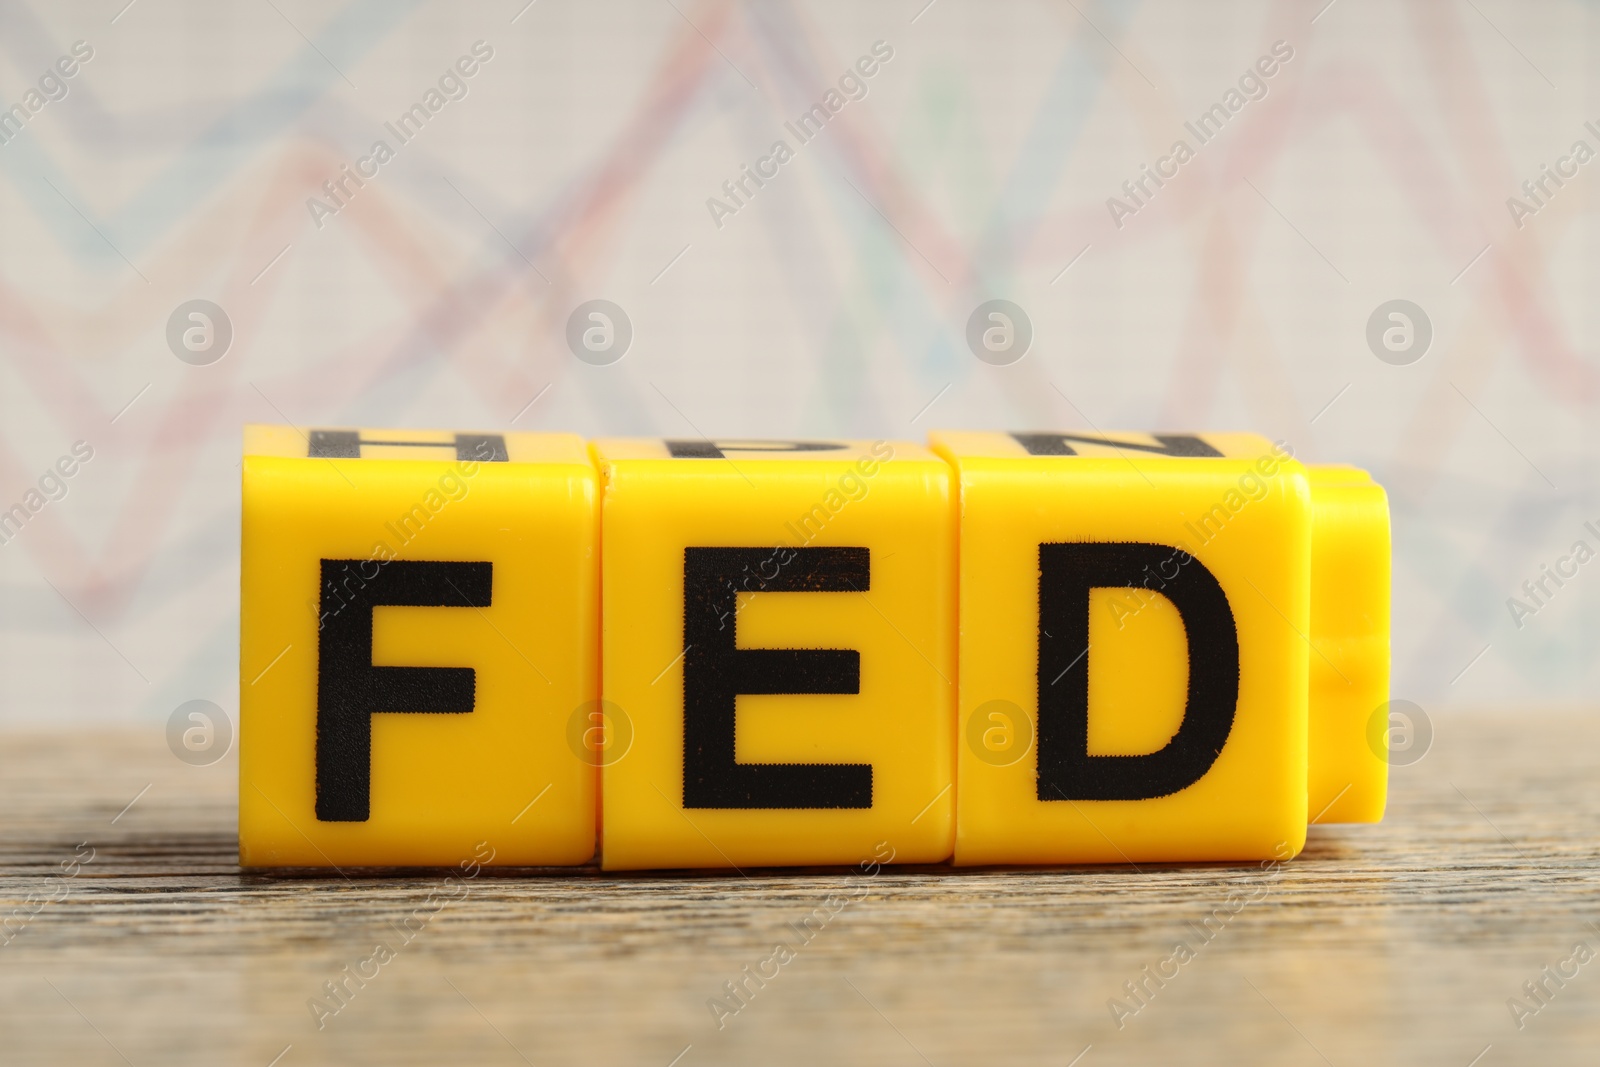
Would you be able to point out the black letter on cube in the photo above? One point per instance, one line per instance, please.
(706, 449)
(1067, 572)
(716, 671)
(1055, 444)
(350, 690)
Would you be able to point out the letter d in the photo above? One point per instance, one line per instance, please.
(1067, 573)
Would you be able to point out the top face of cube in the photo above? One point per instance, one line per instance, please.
(1087, 449)
(742, 451)
(436, 446)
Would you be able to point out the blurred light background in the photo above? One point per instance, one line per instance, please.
(180, 159)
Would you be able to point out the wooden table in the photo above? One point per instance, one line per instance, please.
(1399, 943)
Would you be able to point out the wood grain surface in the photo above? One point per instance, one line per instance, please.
(1399, 943)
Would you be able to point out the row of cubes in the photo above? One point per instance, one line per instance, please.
(996, 648)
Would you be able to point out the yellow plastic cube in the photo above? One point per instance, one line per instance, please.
(1349, 720)
(1136, 620)
(779, 642)
(418, 648)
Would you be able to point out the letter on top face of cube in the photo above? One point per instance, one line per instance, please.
(1133, 665)
(778, 652)
(418, 648)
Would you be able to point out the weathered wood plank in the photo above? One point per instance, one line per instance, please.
(1391, 944)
